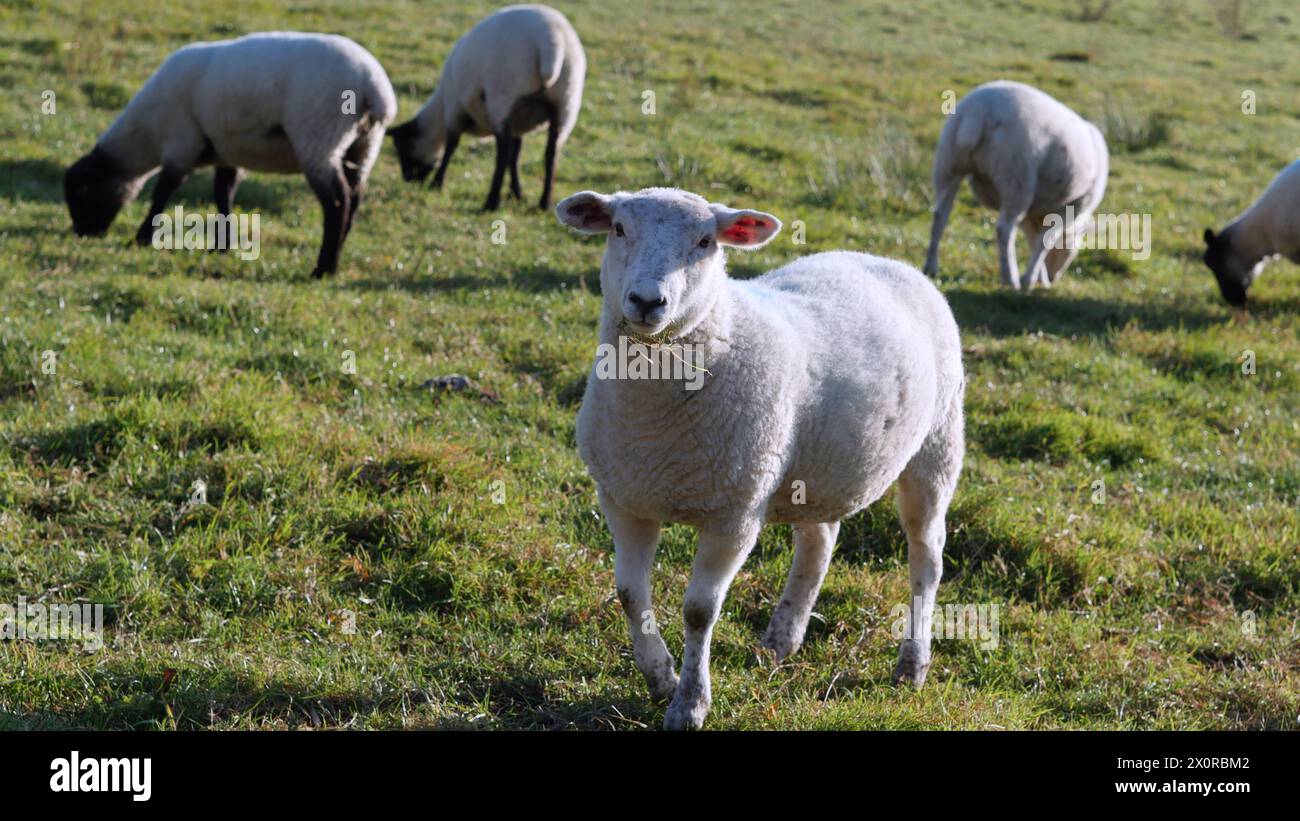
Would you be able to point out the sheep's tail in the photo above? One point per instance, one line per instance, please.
(378, 99)
(550, 58)
(960, 137)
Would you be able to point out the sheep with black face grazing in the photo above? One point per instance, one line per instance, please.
(515, 70)
(1268, 229)
(282, 102)
(824, 382)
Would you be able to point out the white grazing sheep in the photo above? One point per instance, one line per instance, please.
(825, 382)
(281, 102)
(1270, 228)
(516, 69)
(1029, 157)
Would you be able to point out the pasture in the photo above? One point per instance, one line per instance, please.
(370, 553)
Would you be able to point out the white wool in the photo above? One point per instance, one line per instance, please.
(1028, 156)
(1268, 229)
(827, 381)
(234, 93)
(508, 57)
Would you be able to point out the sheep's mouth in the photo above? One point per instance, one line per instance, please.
(657, 334)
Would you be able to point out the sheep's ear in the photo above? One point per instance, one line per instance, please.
(744, 229)
(587, 211)
(1209, 236)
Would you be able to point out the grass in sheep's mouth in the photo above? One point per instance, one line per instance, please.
(665, 340)
(667, 336)
(367, 557)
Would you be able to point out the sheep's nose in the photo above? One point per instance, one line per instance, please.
(645, 305)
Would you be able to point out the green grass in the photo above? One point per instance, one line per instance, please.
(329, 491)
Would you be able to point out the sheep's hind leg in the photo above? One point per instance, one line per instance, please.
(169, 179)
(718, 556)
(924, 490)
(357, 161)
(331, 188)
(813, 544)
(635, 541)
(945, 194)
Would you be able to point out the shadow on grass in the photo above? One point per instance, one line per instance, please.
(515, 698)
(42, 181)
(981, 553)
(528, 279)
(1011, 313)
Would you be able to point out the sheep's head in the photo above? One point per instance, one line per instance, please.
(406, 139)
(1233, 274)
(663, 253)
(96, 189)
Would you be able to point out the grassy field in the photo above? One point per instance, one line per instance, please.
(1168, 601)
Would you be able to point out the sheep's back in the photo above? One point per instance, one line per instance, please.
(295, 82)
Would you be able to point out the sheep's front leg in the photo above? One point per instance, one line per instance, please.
(552, 146)
(225, 181)
(516, 148)
(504, 141)
(453, 140)
(169, 179)
(813, 544)
(635, 541)
(718, 556)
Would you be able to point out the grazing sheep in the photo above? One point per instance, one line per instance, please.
(1268, 229)
(825, 382)
(518, 68)
(281, 102)
(1028, 156)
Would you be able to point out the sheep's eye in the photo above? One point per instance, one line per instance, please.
(704, 243)
(618, 229)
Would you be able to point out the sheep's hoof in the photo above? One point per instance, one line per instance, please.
(689, 706)
(780, 639)
(663, 690)
(318, 273)
(684, 716)
(910, 669)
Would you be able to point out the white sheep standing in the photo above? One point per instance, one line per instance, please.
(1029, 157)
(826, 381)
(514, 70)
(281, 102)
(1268, 229)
